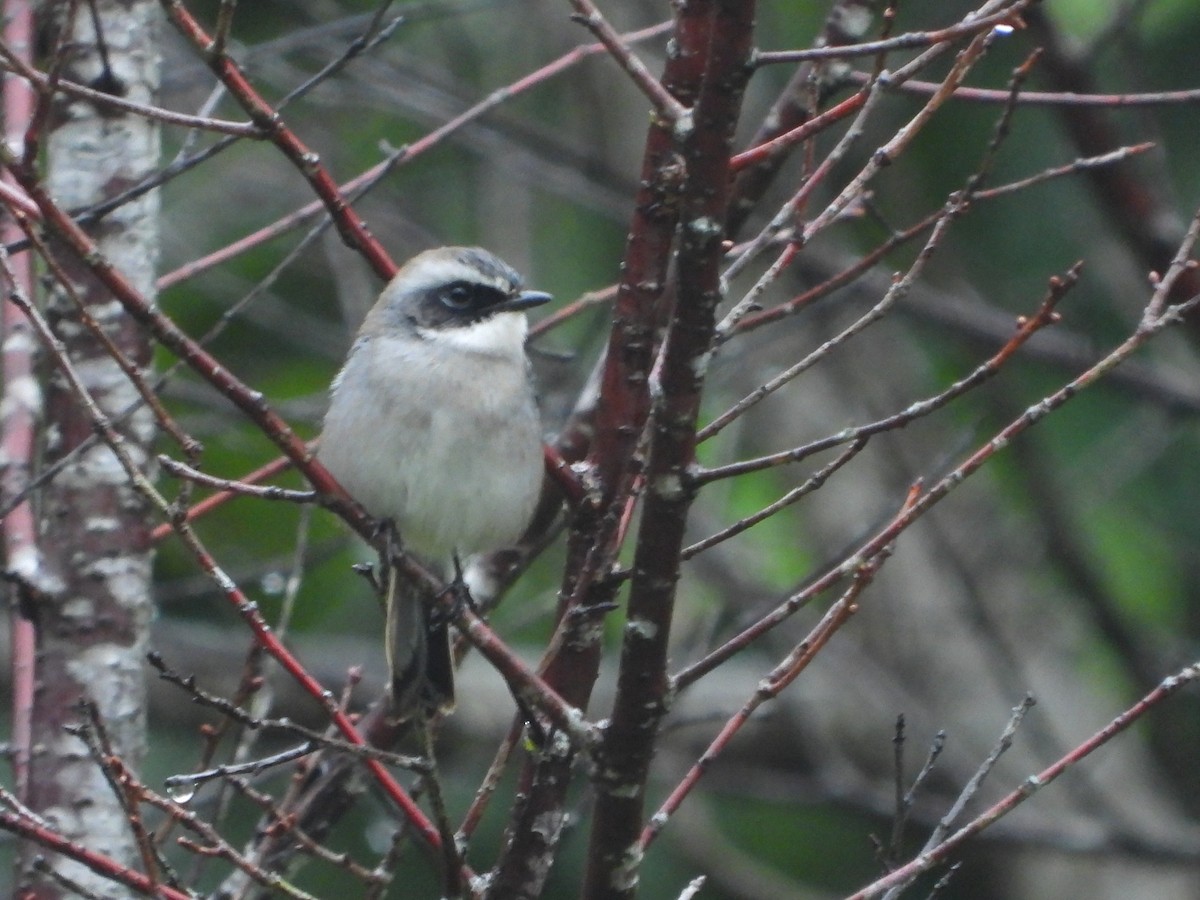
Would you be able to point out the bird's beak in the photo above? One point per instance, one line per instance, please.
(523, 301)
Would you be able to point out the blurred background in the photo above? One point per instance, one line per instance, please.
(1068, 569)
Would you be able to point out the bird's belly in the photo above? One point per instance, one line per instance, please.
(472, 498)
(462, 480)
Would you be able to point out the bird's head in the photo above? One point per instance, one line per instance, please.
(462, 295)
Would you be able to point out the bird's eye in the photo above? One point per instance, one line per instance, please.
(457, 297)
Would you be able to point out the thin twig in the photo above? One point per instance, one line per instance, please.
(666, 106)
(47, 83)
(812, 483)
(262, 492)
(1034, 783)
(1050, 98)
(769, 688)
(970, 25)
(1158, 315)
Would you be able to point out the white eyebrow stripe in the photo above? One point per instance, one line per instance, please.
(436, 272)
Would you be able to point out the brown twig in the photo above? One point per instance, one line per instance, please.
(235, 713)
(1158, 315)
(214, 844)
(899, 288)
(870, 259)
(573, 660)
(769, 688)
(1134, 200)
(969, 26)
(36, 122)
(205, 506)
(132, 371)
(243, 488)
(664, 104)
(811, 86)
(49, 84)
(248, 611)
(812, 483)
(953, 208)
(1027, 327)
(1050, 98)
(883, 156)
(314, 848)
(170, 335)
(974, 783)
(491, 780)
(351, 227)
(403, 155)
(94, 734)
(939, 854)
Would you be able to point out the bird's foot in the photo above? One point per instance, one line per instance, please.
(386, 539)
(367, 571)
(460, 598)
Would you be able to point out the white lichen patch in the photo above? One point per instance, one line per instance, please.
(78, 609)
(630, 790)
(705, 228)
(625, 875)
(113, 676)
(106, 382)
(854, 19)
(559, 746)
(23, 393)
(102, 525)
(126, 577)
(97, 467)
(25, 562)
(669, 486)
(19, 341)
(642, 628)
(548, 826)
(106, 312)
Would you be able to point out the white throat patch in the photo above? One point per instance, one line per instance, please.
(500, 335)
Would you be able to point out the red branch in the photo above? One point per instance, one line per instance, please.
(623, 407)
(353, 230)
(211, 502)
(177, 341)
(623, 759)
(97, 862)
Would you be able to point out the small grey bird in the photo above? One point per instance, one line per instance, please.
(433, 424)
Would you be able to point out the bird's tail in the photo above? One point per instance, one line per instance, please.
(420, 664)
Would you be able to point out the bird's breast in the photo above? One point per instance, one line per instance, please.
(446, 444)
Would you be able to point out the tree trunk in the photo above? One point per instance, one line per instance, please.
(92, 628)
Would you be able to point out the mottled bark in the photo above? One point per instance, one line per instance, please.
(92, 625)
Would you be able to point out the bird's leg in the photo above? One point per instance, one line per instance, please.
(459, 593)
(386, 529)
(382, 579)
(378, 579)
